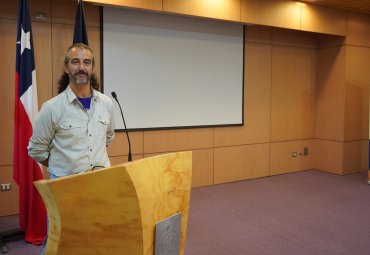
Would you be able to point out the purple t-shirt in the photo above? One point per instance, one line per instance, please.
(85, 102)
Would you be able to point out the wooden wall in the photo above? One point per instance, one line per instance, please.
(342, 124)
(301, 89)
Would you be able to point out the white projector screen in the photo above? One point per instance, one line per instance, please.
(172, 71)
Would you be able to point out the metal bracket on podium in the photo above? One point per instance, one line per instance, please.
(167, 235)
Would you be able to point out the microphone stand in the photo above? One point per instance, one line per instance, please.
(124, 123)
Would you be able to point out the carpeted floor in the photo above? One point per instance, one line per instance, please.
(305, 213)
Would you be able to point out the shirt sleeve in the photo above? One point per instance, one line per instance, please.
(42, 136)
(111, 127)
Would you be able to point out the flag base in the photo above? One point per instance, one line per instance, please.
(10, 235)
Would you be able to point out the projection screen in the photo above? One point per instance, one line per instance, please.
(172, 71)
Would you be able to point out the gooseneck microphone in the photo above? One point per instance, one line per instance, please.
(114, 95)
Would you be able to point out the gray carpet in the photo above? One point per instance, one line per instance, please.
(305, 213)
(309, 212)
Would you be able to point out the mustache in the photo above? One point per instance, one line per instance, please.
(81, 72)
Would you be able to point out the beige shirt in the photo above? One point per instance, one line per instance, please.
(74, 139)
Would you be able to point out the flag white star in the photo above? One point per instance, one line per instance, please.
(25, 40)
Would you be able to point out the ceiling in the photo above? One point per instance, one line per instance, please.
(362, 6)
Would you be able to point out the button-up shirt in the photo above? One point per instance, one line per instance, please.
(72, 137)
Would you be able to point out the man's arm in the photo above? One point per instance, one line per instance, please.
(111, 126)
(43, 134)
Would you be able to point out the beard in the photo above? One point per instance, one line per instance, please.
(80, 78)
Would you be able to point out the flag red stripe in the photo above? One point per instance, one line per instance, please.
(31, 207)
(16, 130)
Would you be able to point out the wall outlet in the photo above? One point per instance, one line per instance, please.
(294, 154)
(305, 151)
(6, 186)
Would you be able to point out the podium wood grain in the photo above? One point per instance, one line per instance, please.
(114, 210)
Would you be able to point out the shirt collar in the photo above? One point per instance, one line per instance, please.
(71, 95)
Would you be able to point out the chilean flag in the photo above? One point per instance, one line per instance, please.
(32, 213)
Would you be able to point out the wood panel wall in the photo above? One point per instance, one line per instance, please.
(342, 125)
(301, 89)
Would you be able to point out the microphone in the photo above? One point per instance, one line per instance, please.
(114, 95)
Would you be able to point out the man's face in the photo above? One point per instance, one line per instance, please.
(79, 66)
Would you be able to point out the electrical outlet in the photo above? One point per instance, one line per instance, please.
(305, 151)
(294, 154)
(6, 186)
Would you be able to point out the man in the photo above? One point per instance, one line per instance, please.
(74, 128)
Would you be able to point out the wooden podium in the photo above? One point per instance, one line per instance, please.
(114, 210)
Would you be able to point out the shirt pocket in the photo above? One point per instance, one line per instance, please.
(72, 130)
(104, 122)
(102, 127)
